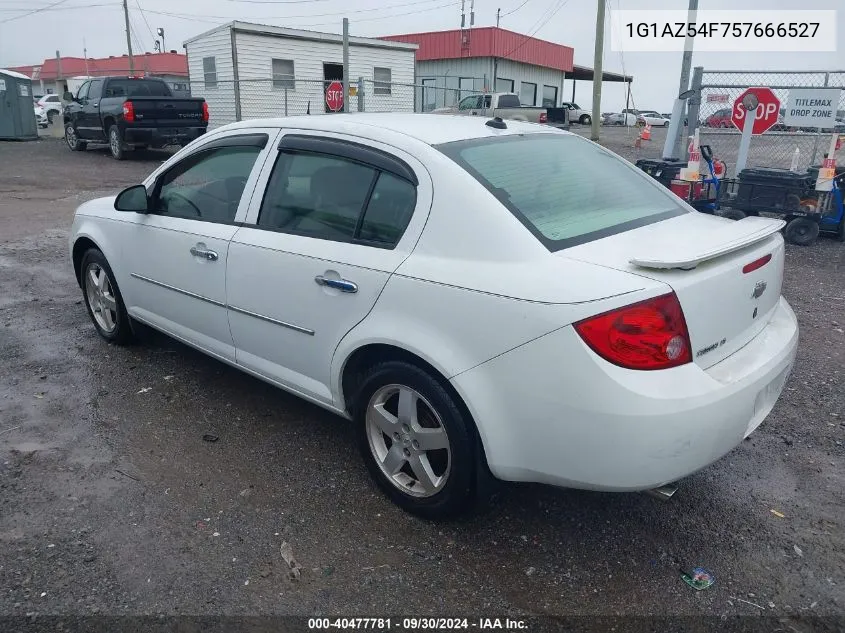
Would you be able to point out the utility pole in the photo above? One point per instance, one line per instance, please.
(128, 39)
(680, 146)
(498, 12)
(85, 55)
(346, 64)
(597, 71)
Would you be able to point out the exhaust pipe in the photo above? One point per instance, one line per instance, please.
(664, 493)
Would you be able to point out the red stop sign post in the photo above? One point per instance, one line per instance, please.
(768, 109)
(334, 96)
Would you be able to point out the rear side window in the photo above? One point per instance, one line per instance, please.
(334, 198)
(563, 188)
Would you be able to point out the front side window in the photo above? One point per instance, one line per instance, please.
(381, 81)
(332, 198)
(82, 93)
(136, 88)
(563, 188)
(469, 103)
(95, 91)
(207, 185)
(283, 74)
(209, 71)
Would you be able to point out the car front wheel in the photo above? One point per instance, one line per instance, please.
(585, 119)
(416, 440)
(103, 299)
(72, 139)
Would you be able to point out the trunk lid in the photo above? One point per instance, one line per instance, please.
(167, 111)
(702, 258)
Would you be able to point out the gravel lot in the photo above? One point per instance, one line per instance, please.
(112, 503)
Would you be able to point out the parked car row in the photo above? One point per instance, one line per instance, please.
(506, 106)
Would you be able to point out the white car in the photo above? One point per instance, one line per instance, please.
(619, 118)
(40, 116)
(468, 291)
(52, 105)
(653, 118)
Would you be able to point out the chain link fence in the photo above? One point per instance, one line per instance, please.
(230, 101)
(775, 148)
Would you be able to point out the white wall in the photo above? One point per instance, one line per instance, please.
(221, 100)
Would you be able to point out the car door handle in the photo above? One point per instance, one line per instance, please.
(204, 253)
(340, 284)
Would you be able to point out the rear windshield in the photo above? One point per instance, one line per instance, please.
(136, 88)
(563, 188)
(509, 101)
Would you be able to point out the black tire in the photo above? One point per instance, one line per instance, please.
(121, 334)
(666, 124)
(801, 231)
(49, 116)
(733, 214)
(458, 493)
(840, 233)
(585, 119)
(72, 139)
(116, 145)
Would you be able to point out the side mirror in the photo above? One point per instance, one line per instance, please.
(133, 199)
(68, 96)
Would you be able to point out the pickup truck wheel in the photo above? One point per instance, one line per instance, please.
(116, 143)
(72, 139)
(585, 119)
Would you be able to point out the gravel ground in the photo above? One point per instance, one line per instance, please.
(112, 503)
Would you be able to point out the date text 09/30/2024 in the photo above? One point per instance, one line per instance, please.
(417, 624)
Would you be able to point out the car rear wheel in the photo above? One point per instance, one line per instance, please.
(49, 116)
(417, 442)
(118, 151)
(72, 139)
(103, 299)
(802, 231)
(585, 119)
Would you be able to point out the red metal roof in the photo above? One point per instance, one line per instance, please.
(151, 63)
(489, 41)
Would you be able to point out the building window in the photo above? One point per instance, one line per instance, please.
(209, 71)
(504, 85)
(429, 94)
(528, 93)
(381, 80)
(466, 86)
(283, 74)
(549, 96)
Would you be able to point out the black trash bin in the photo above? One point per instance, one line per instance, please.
(772, 190)
(664, 171)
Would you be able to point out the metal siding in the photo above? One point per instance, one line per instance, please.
(490, 42)
(221, 100)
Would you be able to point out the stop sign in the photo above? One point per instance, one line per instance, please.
(334, 96)
(768, 109)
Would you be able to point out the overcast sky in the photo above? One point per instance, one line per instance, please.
(64, 24)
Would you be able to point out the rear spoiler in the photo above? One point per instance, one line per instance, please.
(687, 252)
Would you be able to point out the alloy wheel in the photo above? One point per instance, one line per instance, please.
(408, 440)
(100, 297)
(70, 137)
(114, 142)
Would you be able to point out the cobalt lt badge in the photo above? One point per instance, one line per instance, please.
(759, 289)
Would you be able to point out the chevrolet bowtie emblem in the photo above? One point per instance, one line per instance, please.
(759, 289)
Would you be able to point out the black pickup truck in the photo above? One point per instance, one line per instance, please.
(131, 113)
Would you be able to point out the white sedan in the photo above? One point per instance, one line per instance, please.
(469, 292)
(653, 118)
(40, 116)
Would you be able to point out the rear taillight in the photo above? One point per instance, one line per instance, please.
(757, 263)
(544, 117)
(129, 112)
(651, 334)
(205, 111)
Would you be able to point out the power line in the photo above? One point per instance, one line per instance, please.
(78, 6)
(201, 17)
(152, 36)
(33, 12)
(515, 10)
(539, 25)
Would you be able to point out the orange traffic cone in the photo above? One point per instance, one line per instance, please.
(646, 133)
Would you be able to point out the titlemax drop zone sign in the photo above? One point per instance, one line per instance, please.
(812, 107)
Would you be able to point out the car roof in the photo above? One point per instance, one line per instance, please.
(432, 129)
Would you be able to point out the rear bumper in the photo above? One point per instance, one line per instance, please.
(159, 137)
(553, 412)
